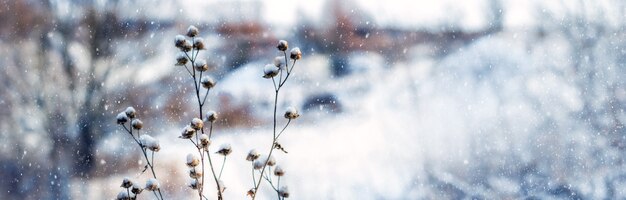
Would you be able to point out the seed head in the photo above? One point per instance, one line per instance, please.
(198, 43)
(192, 160)
(271, 161)
(284, 192)
(204, 141)
(194, 173)
(187, 132)
(195, 184)
(196, 123)
(149, 142)
(136, 189)
(207, 82)
(270, 71)
(279, 171)
(224, 150)
(282, 45)
(257, 164)
(123, 195)
(179, 41)
(251, 192)
(252, 155)
(126, 183)
(211, 116)
(296, 54)
(192, 31)
(181, 59)
(152, 184)
(122, 118)
(130, 112)
(137, 124)
(279, 62)
(201, 65)
(291, 113)
(187, 46)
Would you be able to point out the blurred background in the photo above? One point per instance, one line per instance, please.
(476, 99)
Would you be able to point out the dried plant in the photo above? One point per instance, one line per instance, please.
(279, 72)
(147, 144)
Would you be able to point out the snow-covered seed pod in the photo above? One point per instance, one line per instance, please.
(270, 71)
(126, 183)
(122, 118)
(282, 45)
(225, 149)
(137, 124)
(192, 160)
(194, 173)
(279, 171)
(181, 59)
(198, 43)
(187, 132)
(207, 82)
(192, 31)
(296, 54)
(187, 46)
(130, 112)
(123, 195)
(149, 142)
(204, 141)
(253, 155)
(211, 116)
(251, 192)
(179, 41)
(201, 65)
(152, 184)
(197, 124)
(271, 161)
(257, 164)
(195, 184)
(279, 62)
(291, 113)
(136, 189)
(283, 192)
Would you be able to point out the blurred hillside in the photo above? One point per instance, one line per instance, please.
(484, 99)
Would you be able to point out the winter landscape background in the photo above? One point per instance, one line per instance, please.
(476, 99)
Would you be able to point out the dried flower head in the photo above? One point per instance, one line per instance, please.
(253, 155)
(152, 184)
(270, 71)
(204, 141)
(122, 118)
(179, 41)
(291, 113)
(257, 164)
(284, 192)
(123, 195)
(198, 43)
(225, 149)
(192, 160)
(192, 31)
(130, 112)
(137, 124)
(181, 59)
(251, 192)
(196, 124)
(195, 184)
(187, 132)
(211, 116)
(136, 189)
(279, 171)
(201, 65)
(282, 45)
(149, 142)
(207, 82)
(271, 161)
(194, 173)
(279, 62)
(126, 183)
(187, 46)
(296, 54)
